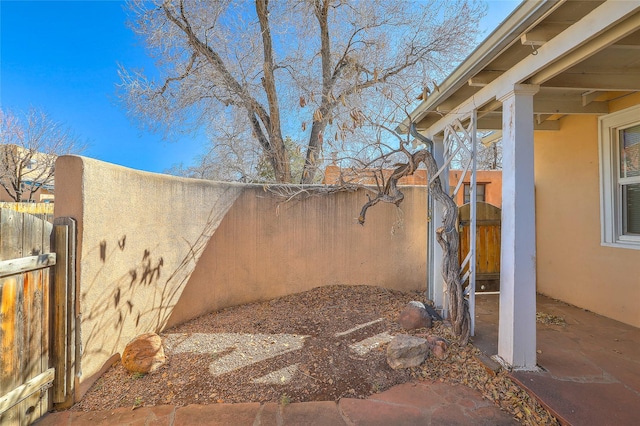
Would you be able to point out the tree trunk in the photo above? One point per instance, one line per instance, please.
(314, 148)
(277, 151)
(446, 235)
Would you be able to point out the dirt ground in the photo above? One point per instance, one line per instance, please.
(323, 344)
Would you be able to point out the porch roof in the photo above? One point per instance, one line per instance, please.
(582, 54)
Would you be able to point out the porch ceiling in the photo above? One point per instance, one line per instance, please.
(588, 73)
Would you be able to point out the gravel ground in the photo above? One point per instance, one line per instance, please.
(324, 344)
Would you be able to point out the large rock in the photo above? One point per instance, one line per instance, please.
(406, 351)
(414, 316)
(144, 354)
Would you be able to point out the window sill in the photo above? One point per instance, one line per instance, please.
(633, 245)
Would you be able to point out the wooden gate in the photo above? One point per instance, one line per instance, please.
(37, 316)
(488, 219)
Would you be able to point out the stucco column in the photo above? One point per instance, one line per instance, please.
(436, 280)
(517, 329)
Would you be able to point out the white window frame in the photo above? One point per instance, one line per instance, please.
(609, 127)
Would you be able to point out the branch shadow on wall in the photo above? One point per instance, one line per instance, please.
(141, 299)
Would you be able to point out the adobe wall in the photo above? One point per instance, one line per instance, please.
(266, 248)
(491, 179)
(156, 250)
(572, 265)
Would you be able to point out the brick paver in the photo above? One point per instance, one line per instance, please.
(407, 404)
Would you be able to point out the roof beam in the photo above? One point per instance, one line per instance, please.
(547, 125)
(625, 46)
(489, 124)
(484, 77)
(541, 118)
(568, 106)
(589, 27)
(590, 48)
(493, 137)
(603, 82)
(488, 107)
(495, 123)
(533, 39)
(590, 96)
(542, 34)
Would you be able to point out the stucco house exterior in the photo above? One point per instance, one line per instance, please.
(561, 80)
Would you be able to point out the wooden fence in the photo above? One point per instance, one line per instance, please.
(37, 316)
(488, 228)
(41, 210)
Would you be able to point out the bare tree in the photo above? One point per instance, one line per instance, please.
(233, 158)
(29, 146)
(488, 154)
(290, 67)
(446, 234)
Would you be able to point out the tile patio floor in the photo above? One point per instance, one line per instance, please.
(590, 367)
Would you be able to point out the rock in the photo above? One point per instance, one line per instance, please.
(435, 340)
(406, 351)
(438, 346)
(439, 352)
(414, 316)
(143, 354)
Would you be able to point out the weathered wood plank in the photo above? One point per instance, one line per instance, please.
(73, 356)
(31, 235)
(45, 316)
(60, 324)
(25, 264)
(23, 391)
(20, 325)
(11, 231)
(25, 355)
(10, 417)
(33, 343)
(10, 340)
(71, 318)
(64, 246)
(24, 313)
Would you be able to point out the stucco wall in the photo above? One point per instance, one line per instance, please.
(572, 265)
(156, 250)
(265, 248)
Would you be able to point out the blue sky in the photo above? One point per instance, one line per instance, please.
(62, 56)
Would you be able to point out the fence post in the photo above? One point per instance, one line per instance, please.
(65, 329)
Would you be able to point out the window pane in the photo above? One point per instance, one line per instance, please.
(631, 199)
(480, 187)
(630, 152)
